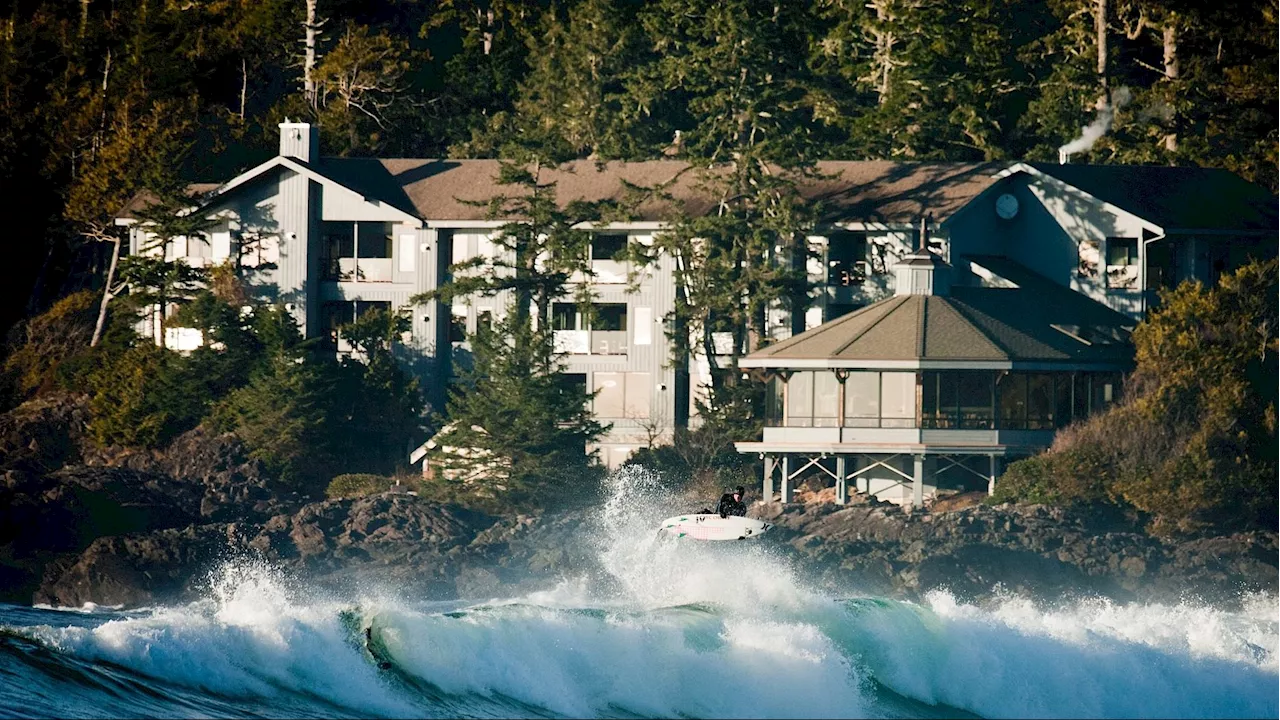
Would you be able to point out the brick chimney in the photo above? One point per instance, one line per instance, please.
(299, 140)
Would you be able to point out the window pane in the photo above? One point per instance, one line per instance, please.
(1012, 390)
(862, 399)
(637, 395)
(845, 251)
(1090, 259)
(800, 400)
(898, 399)
(607, 246)
(338, 239)
(826, 399)
(1062, 413)
(1122, 262)
(375, 239)
(773, 402)
(1040, 401)
(932, 413)
(364, 307)
(610, 390)
(610, 317)
(976, 397)
(564, 316)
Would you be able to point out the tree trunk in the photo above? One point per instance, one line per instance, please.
(885, 41)
(106, 293)
(1171, 74)
(1100, 30)
(312, 26)
(244, 85)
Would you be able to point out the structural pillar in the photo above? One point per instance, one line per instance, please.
(766, 492)
(842, 481)
(786, 478)
(991, 477)
(862, 483)
(917, 483)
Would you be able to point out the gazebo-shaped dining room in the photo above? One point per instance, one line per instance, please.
(934, 389)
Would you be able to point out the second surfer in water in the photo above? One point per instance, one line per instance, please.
(368, 645)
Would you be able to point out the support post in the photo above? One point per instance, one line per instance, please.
(766, 492)
(917, 483)
(842, 481)
(862, 484)
(786, 478)
(991, 477)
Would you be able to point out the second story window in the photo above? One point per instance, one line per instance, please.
(607, 246)
(356, 251)
(846, 258)
(1122, 262)
(602, 332)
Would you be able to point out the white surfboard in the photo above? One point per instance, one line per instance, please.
(714, 527)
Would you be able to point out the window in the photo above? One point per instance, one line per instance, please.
(897, 399)
(958, 400)
(564, 316)
(572, 384)
(610, 317)
(773, 402)
(800, 400)
(862, 399)
(1122, 262)
(607, 246)
(846, 258)
(621, 394)
(356, 251)
(457, 328)
(1090, 260)
(335, 314)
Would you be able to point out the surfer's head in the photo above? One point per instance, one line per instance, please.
(740, 491)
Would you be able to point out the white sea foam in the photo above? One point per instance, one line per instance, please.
(677, 627)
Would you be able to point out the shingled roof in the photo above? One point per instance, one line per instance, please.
(868, 191)
(1028, 324)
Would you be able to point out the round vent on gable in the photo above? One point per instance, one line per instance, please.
(1006, 206)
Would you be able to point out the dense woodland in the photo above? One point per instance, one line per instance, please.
(104, 98)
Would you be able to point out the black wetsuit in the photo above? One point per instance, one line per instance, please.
(728, 506)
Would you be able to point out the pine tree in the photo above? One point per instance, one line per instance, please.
(515, 429)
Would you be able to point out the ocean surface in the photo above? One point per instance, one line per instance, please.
(672, 628)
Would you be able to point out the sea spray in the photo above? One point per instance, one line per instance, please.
(664, 627)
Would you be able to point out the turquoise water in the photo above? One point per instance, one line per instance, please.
(672, 629)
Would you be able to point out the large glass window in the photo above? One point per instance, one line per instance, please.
(773, 402)
(898, 399)
(800, 400)
(1090, 259)
(1122, 262)
(826, 400)
(846, 258)
(862, 399)
(1040, 401)
(958, 400)
(1011, 389)
(622, 394)
(607, 246)
(356, 251)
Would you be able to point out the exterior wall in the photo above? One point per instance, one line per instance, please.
(1046, 235)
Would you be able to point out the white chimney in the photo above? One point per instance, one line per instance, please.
(299, 140)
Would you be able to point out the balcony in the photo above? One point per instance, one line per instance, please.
(591, 342)
(350, 269)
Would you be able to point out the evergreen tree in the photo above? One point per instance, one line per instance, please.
(515, 430)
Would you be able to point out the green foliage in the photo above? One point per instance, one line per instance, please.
(357, 485)
(145, 396)
(1194, 442)
(44, 343)
(513, 427)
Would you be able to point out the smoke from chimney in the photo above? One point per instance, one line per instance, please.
(1099, 127)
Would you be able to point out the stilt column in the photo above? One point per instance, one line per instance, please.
(991, 477)
(917, 483)
(766, 492)
(842, 481)
(786, 478)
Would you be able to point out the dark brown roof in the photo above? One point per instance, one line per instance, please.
(145, 198)
(849, 190)
(1030, 323)
(1175, 198)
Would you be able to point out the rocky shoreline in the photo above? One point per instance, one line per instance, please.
(80, 524)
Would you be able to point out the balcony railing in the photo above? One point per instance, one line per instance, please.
(358, 269)
(591, 342)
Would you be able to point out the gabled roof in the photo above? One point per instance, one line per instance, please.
(1175, 198)
(863, 191)
(145, 199)
(1026, 324)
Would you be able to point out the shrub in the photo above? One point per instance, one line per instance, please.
(144, 397)
(46, 341)
(356, 485)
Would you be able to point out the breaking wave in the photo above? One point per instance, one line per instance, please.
(670, 628)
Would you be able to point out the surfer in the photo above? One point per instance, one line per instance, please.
(731, 503)
(373, 653)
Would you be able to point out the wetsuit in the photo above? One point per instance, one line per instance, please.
(728, 506)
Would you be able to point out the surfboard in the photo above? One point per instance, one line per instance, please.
(714, 527)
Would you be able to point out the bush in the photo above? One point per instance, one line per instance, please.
(1193, 443)
(145, 396)
(45, 342)
(357, 485)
